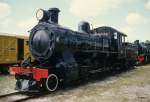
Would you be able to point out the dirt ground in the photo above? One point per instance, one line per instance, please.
(129, 86)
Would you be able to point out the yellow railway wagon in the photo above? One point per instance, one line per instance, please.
(13, 49)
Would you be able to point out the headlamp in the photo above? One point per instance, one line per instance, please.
(40, 14)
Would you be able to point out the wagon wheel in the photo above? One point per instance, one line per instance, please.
(52, 83)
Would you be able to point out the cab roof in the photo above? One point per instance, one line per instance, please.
(108, 29)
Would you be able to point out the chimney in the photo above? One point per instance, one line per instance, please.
(84, 27)
(54, 15)
(137, 42)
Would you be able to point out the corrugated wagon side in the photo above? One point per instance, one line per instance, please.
(13, 49)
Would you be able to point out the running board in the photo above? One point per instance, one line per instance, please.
(99, 70)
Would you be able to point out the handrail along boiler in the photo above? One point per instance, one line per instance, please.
(63, 55)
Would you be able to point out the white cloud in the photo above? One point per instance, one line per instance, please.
(11, 25)
(6, 20)
(147, 5)
(136, 32)
(5, 9)
(88, 8)
(98, 25)
(27, 24)
(6, 23)
(130, 31)
(134, 23)
(135, 19)
(84, 8)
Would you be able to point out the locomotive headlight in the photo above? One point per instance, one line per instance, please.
(40, 14)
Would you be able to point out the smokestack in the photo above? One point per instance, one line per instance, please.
(137, 42)
(54, 15)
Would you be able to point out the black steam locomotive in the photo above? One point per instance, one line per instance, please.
(63, 55)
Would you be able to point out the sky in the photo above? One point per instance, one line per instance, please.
(131, 17)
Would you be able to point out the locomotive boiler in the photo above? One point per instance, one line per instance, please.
(64, 56)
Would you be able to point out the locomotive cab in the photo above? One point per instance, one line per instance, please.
(119, 40)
